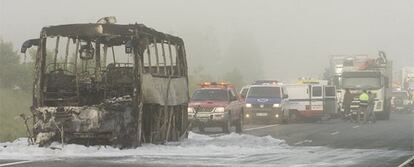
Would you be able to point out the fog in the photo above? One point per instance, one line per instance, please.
(281, 39)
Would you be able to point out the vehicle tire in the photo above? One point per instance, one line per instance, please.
(387, 110)
(239, 124)
(293, 116)
(227, 126)
(285, 119)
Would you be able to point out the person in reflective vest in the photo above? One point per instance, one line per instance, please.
(363, 105)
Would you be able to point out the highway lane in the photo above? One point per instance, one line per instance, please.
(395, 134)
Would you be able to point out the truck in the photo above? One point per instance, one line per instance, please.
(401, 101)
(216, 105)
(407, 79)
(107, 83)
(314, 101)
(359, 73)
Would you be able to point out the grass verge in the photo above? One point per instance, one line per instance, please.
(13, 103)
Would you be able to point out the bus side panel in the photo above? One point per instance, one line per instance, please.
(155, 90)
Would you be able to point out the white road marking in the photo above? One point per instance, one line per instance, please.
(261, 127)
(406, 162)
(302, 142)
(356, 126)
(15, 163)
(216, 135)
(334, 133)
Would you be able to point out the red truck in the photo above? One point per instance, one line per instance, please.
(216, 105)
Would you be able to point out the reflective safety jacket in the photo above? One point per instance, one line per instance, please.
(363, 99)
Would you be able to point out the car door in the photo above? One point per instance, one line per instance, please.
(235, 104)
(329, 101)
(316, 98)
(285, 101)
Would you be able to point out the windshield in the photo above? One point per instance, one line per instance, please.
(210, 94)
(264, 92)
(361, 83)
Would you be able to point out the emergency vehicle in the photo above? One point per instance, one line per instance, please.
(407, 79)
(216, 105)
(373, 74)
(401, 101)
(265, 81)
(311, 100)
(266, 103)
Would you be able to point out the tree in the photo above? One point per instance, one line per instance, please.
(8, 61)
(243, 54)
(12, 72)
(197, 76)
(234, 77)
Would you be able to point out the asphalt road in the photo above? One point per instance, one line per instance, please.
(395, 134)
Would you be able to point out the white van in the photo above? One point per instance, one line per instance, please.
(311, 101)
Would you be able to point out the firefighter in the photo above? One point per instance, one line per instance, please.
(347, 102)
(371, 104)
(363, 105)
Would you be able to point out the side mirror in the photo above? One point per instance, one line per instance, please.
(285, 96)
(29, 43)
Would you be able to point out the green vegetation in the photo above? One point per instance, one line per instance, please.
(199, 75)
(13, 103)
(15, 88)
(13, 73)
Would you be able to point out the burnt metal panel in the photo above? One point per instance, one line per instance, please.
(155, 90)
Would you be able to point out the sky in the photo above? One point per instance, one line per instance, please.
(284, 39)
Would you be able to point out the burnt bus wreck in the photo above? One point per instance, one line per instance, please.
(113, 84)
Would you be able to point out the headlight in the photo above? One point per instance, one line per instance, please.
(277, 115)
(247, 115)
(248, 105)
(190, 109)
(276, 105)
(219, 109)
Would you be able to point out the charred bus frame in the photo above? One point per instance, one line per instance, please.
(154, 86)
